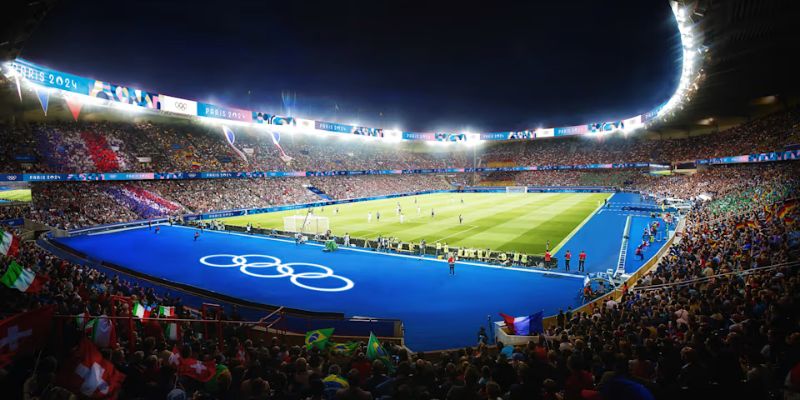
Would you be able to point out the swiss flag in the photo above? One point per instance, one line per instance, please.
(89, 374)
(202, 371)
(175, 357)
(26, 332)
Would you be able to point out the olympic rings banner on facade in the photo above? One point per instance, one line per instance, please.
(178, 105)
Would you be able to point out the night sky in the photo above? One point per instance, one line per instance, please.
(425, 66)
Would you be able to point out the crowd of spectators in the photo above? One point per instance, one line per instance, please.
(713, 319)
(351, 187)
(771, 133)
(182, 146)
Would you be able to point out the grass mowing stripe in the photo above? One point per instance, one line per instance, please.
(487, 220)
(499, 218)
(562, 218)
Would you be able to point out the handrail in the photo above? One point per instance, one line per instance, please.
(707, 278)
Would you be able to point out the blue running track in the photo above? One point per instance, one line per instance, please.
(439, 311)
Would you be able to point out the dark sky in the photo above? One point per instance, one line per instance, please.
(429, 65)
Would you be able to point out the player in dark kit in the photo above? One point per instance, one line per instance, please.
(196, 235)
(158, 228)
(460, 219)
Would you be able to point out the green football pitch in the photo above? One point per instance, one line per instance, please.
(16, 195)
(521, 222)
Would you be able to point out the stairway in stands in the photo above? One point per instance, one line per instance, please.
(317, 191)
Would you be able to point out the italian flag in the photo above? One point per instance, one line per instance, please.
(140, 311)
(103, 332)
(9, 244)
(166, 311)
(22, 279)
(173, 332)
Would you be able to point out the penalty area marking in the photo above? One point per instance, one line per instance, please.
(358, 250)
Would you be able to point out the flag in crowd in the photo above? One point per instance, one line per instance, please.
(103, 333)
(524, 326)
(198, 370)
(25, 333)
(140, 311)
(173, 332)
(175, 356)
(85, 321)
(89, 374)
(168, 312)
(9, 244)
(376, 352)
(22, 279)
(318, 338)
(345, 348)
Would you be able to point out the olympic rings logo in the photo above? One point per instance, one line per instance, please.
(250, 264)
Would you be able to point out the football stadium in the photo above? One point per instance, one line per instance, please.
(366, 201)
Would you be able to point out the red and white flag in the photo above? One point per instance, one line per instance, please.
(9, 244)
(26, 332)
(89, 374)
(175, 357)
(198, 370)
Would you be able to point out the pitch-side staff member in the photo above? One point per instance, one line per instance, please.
(451, 261)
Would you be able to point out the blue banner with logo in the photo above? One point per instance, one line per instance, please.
(51, 78)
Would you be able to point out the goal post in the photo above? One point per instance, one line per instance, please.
(516, 189)
(311, 224)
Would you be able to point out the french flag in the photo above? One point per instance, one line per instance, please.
(524, 326)
(230, 138)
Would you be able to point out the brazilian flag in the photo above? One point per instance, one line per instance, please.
(318, 338)
(345, 348)
(376, 352)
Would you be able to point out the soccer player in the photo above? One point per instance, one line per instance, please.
(422, 248)
(336, 211)
(462, 200)
(582, 261)
(567, 257)
(401, 217)
(547, 246)
(432, 214)
(346, 239)
(369, 217)
(419, 209)
(196, 235)
(460, 219)
(378, 216)
(451, 261)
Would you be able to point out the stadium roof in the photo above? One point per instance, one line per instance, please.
(750, 66)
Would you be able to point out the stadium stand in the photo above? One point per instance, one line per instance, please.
(104, 147)
(715, 316)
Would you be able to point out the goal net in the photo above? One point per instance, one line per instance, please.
(516, 189)
(310, 224)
